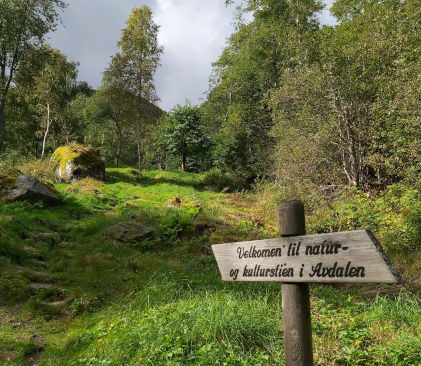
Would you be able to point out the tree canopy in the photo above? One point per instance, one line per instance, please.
(327, 105)
(288, 101)
(130, 75)
(185, 136)
(23, 25)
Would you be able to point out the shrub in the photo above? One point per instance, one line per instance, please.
(217, 180)
(14, 288)
(9, 159)
(9, 250)
(175, 226)
(43, 170)
(393, 215)
(86, 185)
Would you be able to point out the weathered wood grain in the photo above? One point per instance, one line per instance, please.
(295, 296)
(350, 256)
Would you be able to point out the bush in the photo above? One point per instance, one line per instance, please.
(9, 159)
(9, 250)
(14, 288)
(86, 185)
(393, 215)
(173, 227)
(217, 180)
(43, 170)
(267, 195)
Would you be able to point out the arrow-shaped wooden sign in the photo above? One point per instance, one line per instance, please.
(349, 256)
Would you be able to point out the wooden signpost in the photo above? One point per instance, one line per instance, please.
(295, 260)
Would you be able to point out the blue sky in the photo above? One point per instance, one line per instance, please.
(193, 33)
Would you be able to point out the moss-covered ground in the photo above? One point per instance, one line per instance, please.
(71, 295)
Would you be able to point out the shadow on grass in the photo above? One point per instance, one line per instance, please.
(93, 268)
(29, 219)
(118, 177)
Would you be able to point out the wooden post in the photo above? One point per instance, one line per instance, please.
(295, 296)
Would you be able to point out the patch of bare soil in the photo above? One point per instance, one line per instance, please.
(34, 357)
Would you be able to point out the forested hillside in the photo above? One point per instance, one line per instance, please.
(289, 100)
(332, 105)
(109, 205)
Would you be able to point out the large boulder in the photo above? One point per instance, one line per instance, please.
(14, 185)
(130, 231)
(75, 161)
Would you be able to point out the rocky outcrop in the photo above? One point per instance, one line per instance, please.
(14, 185)
(130, 231)
(75, 161)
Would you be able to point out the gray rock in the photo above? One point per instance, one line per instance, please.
(130, 231)
(14, 185)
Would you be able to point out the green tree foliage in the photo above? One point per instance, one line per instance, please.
(103, 128)
(41, 110)
(332, 105)
(53, 90)
(109, 125)
(131, 71)
(155, 152)
(23, 123)
(185, 137)
(279, 36)
(23, 25)
(352, 115)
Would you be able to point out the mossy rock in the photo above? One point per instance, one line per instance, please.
(76, 161)
(14, 185)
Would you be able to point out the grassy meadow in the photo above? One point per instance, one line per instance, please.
(72, 295)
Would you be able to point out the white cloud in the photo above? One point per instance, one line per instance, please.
(193, 33)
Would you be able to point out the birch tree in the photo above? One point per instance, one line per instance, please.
(131, 71)
(52, 91)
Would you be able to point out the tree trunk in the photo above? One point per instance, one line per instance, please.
(119, 141)
(352, 153)
(44, 141)
(139, 162)
(102, 148)
(2, 122)
(139, 154)
(183, 163)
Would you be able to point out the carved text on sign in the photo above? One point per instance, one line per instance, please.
(353, 256)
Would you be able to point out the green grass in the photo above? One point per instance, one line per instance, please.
(163, 302)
